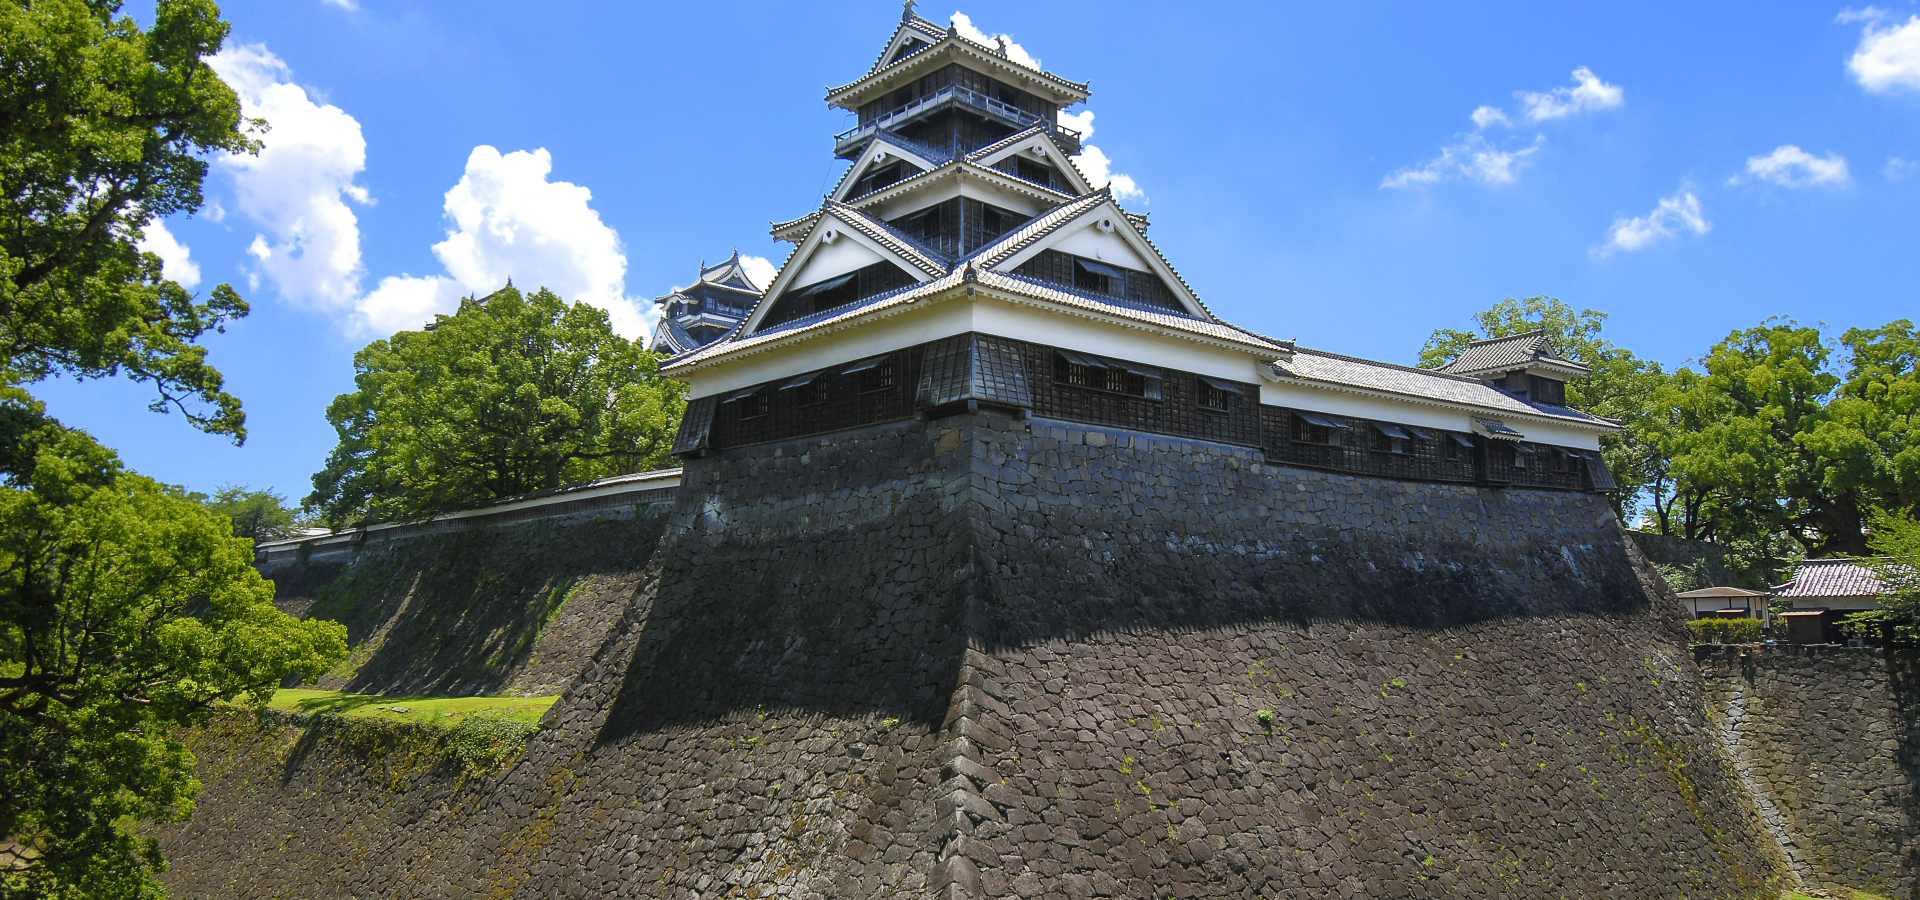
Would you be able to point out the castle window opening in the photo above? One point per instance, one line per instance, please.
(1521, 454)
(808, 389)
(1313, 428)
(1082, 370)
(1216, 394)
(1096, 278)
(750, 403)
(875, 373)
(1389, 438)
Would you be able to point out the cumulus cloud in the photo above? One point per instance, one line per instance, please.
(509, 221)
(1588, 94)
(1678, 213)
(1014, 52)
(297, 189)
(174, 261)
(1471, 157)
(1888, 57)
(1094, 164)
(1790, 166)
(1898, 169)
(760, 271)
(1488, 115)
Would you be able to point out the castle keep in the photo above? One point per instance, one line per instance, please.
(1001, 567)
(964, 262)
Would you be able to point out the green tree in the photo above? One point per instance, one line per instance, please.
(256, 515)
(1622, 385)
(105, 127)
(508, 395)
(1769, 438)
(126, 611)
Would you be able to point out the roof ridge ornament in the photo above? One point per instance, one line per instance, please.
(907, 11)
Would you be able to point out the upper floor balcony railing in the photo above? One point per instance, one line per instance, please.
(951, 95)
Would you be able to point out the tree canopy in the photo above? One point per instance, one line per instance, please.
(126, 610)
(511, 394)
(105, 127)
(259, 515)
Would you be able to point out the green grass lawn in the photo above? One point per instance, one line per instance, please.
(421, 710)
(1841, 892)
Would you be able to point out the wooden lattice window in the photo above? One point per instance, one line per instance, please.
(1385, 438)
(1314, 428)
(1216, 394)
(807, 389)
(1100, 374)
(750, 403)
(874, 374)
(1097, 278)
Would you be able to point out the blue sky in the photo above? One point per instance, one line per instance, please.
(1315, 171)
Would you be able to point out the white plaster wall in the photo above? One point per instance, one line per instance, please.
(1092, 243)
(845, 255)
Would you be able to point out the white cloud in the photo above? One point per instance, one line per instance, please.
(297, 187)
(1472, 157)
(1014, 52)
(174, 262)
(1888, 57)
(1677, 213)
(1898, 169)
(1791, 166)
(1589, 93)
(509, 221)
(1866, 14)
(1094, 164)
(1487, 115)
(760, 271)
(1081, 122)
(348, 5)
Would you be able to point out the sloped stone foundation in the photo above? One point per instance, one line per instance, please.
(981, 657)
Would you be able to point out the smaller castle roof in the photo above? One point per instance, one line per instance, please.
(1349, 372)
(1518, 351)
(1825, 578)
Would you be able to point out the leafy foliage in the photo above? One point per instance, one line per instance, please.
(508, 395)
(104, 128)
(1896, 543)
(261, 515)
(1620, 387)
(1769, 439)
(1724, 631)
(126, 610)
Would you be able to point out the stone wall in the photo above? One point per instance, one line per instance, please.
(511, 608)
(1825, 736)
(981, 657)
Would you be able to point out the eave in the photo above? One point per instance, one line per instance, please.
(1598, 425)
(956, 49)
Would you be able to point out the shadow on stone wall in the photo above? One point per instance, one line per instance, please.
(505, 609)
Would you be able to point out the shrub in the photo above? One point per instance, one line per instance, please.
(1725, 631)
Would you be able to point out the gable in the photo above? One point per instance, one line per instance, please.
(1103, 234)
(879, 155)
(838, 258)
(1036, 148)
(1094, 243)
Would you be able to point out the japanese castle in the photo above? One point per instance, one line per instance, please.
(965, 262)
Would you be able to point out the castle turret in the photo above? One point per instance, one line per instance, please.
(703, 313)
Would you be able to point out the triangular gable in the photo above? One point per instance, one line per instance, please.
(912, 29)
(1035, 144)
(1061, 230)
(872, 157)
(841, 241)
